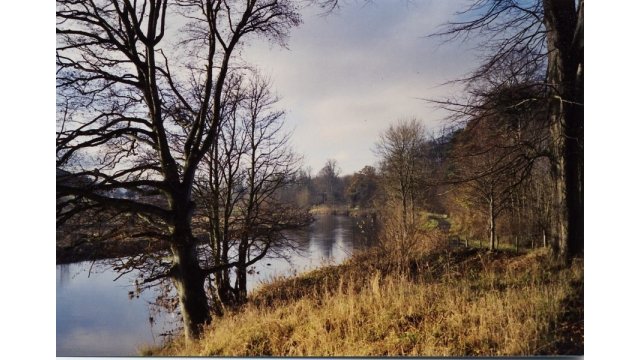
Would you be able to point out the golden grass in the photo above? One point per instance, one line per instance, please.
(329, 210)
(462, 303)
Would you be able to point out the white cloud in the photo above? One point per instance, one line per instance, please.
(348, 76)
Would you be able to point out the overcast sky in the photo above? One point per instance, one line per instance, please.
(347, 76)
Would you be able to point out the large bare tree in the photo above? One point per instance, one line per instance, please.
(129, 89)
(519, 36)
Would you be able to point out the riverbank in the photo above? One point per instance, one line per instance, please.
(341, 210)
(453, 303)
(71, 248)
(100, 250)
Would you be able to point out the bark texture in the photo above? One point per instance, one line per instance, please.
(564, 25)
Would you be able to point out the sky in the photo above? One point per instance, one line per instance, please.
(610, 159)
(347, 76)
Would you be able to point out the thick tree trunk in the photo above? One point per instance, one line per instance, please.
(565, 60)
(187, 275)
(189, 279)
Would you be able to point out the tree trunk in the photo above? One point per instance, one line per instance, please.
(492, 226)
(187, 275)
(241, 272)
(225, 290)
(189, 279)
(565, 61)
(241, 289)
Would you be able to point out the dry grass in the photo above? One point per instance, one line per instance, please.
(329, 210)
(462, 303)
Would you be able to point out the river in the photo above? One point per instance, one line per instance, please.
(97, 316)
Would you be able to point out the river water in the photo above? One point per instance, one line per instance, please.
(97, 316)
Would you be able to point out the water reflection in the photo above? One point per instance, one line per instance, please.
(329, 240)
(96, 317)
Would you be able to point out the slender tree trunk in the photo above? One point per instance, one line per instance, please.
(241, 271)
(224, 289)
(405, 225)
(219, 242)
(241, 280)
(492, 226)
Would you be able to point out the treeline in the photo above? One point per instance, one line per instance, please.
(175, 140)
(489, 175)
(329, 188)
(496, 183)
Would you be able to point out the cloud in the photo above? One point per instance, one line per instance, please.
(346, 77)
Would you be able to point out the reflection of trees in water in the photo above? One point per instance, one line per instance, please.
(328, 237)
(294, 244)
(334, 235)
(68, 271)
(324, 234)
(84, 287)
(164, 306)
(64, 273)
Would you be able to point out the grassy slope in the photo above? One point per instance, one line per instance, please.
(466, 302)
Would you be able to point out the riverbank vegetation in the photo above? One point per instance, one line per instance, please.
(191, 174)
(452, 303)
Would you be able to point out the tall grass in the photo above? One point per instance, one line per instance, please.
(458, 303)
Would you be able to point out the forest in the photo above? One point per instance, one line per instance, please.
(175, 165)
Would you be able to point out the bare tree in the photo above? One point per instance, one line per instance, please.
(329, 182)
(520, 37)
(487, 172)
(270, 167)
(237, 192)
(402, 149)
(126, 94)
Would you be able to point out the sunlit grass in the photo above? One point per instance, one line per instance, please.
(462, 303)
(329, 210)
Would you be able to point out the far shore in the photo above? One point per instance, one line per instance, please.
(101, 250)
(344, 210)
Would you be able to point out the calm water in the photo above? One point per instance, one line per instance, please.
(95, 315)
